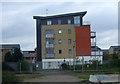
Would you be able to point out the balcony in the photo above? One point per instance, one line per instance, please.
(93, 43)
(96, 53)
(93, 34)
(49, 55)
(49, 45)
(49, 35)
(86, 23)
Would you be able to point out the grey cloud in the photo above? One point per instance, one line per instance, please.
(19, 25)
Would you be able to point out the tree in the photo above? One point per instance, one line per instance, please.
(8, 57)
(114, 56)
(17, 55)
(106, 56)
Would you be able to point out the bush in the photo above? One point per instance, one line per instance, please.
(64, 66)
(8, 77)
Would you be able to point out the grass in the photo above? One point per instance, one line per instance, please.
(22, 77)
(83, 77)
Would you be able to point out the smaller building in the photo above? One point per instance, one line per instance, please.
(29, 56)
(105, 51)
(113, 49)
(4, 48)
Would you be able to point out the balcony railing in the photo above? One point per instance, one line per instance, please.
(93, 34)
(49, 35)
(93, 43)
(49, 55)
(86, 23)
(96, 53)
(49, 45)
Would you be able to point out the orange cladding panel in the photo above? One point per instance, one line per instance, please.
(83, 43)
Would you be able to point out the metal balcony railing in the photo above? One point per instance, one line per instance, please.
(96, 53)
(49, 45)
(93, 43)
(93, 34)
(49, 55)
(86, 23)
(49, 35)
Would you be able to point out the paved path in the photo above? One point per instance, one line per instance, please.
(55, 76)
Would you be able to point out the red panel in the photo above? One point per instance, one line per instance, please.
(83, 45)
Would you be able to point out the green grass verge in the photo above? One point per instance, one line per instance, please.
(82, 76)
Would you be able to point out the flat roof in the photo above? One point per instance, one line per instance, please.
(60, 15)
(8, 46)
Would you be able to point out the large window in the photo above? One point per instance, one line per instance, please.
(49, 51)
(77, 20)
(59, 31)
(59, 22)
(49, 42)
(69, 31)
(69, 41)
(70, 51)
(49, 22)
(69, 21)
(59, 41)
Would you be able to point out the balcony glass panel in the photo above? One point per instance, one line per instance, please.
(93, 43)
(49, 45)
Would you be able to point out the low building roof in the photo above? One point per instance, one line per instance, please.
(9, 46)
(28, 55)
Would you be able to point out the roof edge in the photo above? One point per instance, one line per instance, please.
(60, 15)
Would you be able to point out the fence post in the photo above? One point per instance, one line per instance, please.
(82, 63)
(20, 67)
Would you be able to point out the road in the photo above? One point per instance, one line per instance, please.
(55, 76)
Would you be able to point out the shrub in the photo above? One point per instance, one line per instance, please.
(64, 66)
(8, 77)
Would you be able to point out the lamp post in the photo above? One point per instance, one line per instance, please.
(20, 67)
(74, 55)
(82, 63)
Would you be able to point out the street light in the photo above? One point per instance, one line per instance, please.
(20, 67)
(74, 55)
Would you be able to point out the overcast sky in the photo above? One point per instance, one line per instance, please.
(18, 25)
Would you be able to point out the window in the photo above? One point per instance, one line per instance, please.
(77, 20)
(49, 41)
(59, 31)
(60, 51)
(59, 41)
(70, 51)
(49, 22)
(69, 41)
(59, 22)
(69, 31)
(9, 50)
(69, 21)
(49, 51)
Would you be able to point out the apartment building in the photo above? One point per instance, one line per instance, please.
(64, 37)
